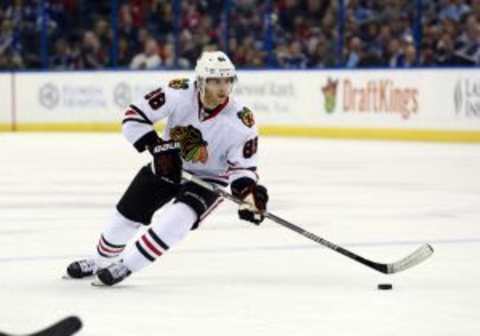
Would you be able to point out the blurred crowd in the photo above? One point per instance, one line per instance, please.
(294, 34)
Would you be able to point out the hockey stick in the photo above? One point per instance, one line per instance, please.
(65, 327)
(416, 257)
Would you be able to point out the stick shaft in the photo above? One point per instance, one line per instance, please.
(377, 266)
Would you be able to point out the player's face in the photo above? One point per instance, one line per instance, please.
(217, 90)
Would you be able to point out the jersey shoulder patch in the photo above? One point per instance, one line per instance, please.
(246, 117)
(179, 83)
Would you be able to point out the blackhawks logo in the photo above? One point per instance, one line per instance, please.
(330, 95)
(246, 116)
(194, 148)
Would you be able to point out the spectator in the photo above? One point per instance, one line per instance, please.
(6, 37)
(394, 53)
(454, 10)
(63, 58)
(149, 58)
(468, 44)
(10, 61)
(103, 32)
(124, 53)
(295, 58)
(354, 52)
(189, 51)
(322, 56)
(288, 34)
(168, 55)
(125, 24)
(92, 56)
(160, 18)
(410, 56)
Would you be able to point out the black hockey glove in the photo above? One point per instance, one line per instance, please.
(255, 195)
(167, 163)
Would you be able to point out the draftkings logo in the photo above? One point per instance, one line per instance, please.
(466, 98)
(330, 95)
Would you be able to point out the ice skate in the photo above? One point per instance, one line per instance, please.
(81, 269)
(111, 275)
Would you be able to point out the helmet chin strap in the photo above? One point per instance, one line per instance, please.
(201, 85)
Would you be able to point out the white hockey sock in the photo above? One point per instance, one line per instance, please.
(174, 224)
(114, 238)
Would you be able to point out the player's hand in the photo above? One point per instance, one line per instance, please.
(167, 163)
(255, 197)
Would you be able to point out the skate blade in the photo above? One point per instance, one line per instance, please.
(98, 283)
(68, 277)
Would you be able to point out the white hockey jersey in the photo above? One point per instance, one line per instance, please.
(220, 146)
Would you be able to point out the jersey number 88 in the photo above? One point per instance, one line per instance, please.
(250, 148)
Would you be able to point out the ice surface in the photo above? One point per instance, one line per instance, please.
(379, 199)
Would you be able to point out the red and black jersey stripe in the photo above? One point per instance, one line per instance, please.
(135, 114)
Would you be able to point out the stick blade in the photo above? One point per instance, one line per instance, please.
(65, 327)
(416, 257)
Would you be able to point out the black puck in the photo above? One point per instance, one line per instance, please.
(385, 286)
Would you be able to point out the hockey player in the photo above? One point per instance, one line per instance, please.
(208, 133)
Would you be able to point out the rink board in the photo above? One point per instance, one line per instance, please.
(423, 104)
(6, 111)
